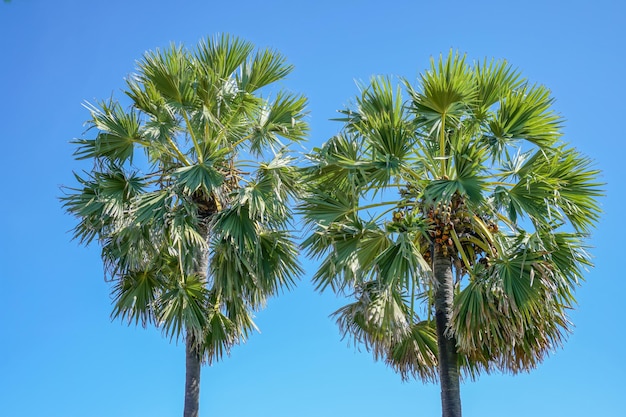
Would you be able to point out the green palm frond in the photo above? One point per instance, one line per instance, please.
(350, 251)
(222, 55)
(402, 262)
(281, 118)
(280, 254)
(493, 79)
(118, 132)
(182, 306)
(554, 185)
(250, 257)
(525, 113)
(127, 248)
(136, 296)
(338, 164)
(567, 255)
(376, 319)
(381, 114)
(447, 89)
(236, 226)
(265, 68)
(85, 204)
(514, 313)
(153, 206)
(185, 231)
(329, 206)
(220, 334)
(229, 322)
(381, 121)
(103, 200)
(578, 189)
(414, 355)
(279, 181)
(202, 176)
(169, 72)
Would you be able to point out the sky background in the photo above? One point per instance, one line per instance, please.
(60, 354)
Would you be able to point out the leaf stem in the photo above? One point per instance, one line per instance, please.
(179, 154)
(196, 145)
(442, 145)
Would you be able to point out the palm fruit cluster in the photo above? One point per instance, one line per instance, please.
(441, 219)
(453, 216)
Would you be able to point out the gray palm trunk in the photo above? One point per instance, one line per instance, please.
(193, 362)
(448, 363)
(193, 347)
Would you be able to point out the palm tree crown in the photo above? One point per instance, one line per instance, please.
(457, 215)
(189, 189)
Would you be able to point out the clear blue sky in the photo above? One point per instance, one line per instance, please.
(61, 356)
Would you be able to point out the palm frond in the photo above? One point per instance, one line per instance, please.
(264, 68)
(494, 79)
(377, 318)
(525, 113)
(402, 263)
(414, 355)
(220, 56)
(136, 295)
(283, 117)
(168, 71)
(182, 306)
(446, 91)
(201, 176)
(118, 131)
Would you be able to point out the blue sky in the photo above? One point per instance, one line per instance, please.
(60, 354)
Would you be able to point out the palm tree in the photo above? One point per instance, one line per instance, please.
(194, 229)
(456, 219)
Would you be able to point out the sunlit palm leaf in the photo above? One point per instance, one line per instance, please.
(525, 113)
(170, 74)
(281, 118)
(265, 68)
(447, 90)
(222, 55)
(493, 80)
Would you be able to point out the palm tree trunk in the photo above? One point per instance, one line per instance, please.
(193, 350)
(448, 365)
(193, 361)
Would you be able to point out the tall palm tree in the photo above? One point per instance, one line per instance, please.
(194, 228)
(456, 218)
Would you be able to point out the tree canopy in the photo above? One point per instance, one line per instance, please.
(189, 191)
(453, 212)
